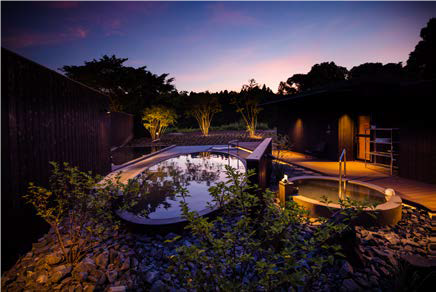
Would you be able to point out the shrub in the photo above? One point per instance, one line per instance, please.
(254, 244)
(79, 207)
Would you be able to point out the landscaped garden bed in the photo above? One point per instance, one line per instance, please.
(372, 258)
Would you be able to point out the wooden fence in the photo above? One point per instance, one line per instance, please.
(121, 128)
(45, 117)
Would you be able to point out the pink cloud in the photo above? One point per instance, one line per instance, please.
(27, 39)
(221, 14)
(62, 4)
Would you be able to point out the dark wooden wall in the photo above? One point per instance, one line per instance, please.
(121, 128)
(45, 117)
(312, 119)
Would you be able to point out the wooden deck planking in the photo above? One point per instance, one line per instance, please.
(414, 191)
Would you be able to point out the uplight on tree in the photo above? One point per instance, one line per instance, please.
(204, 107)
(156, 119)
(248, 105)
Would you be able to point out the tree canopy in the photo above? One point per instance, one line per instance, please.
(319, 75)
(129, 89)
(422, 61)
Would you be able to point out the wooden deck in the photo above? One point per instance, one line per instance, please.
(411, 191)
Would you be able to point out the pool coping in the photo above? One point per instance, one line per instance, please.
(128, 163)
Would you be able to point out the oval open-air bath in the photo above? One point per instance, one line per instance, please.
(312, 189)
(195, 172)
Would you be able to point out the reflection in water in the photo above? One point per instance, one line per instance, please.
(196, 172)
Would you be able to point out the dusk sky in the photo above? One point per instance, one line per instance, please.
(215, 45)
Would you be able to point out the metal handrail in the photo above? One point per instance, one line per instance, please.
(342, 158)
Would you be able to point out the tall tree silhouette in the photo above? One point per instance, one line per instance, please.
(129, 89)
(319, 75)
(422, 61)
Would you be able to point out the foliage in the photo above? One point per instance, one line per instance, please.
(156, 119)
(247, 104)
(202, 108)
(79, 205)
(319, 75)
(422, 60)
(129, 89)
(377, 72)
(254, 244)
(282, 144)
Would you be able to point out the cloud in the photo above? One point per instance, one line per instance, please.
(224, 15)
(27, 39)
(62, 4)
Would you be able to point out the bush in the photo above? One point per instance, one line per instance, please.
(254, 244)
(79, 207)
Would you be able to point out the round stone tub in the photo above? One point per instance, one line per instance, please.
(311, 189)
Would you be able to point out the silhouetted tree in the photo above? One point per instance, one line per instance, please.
(129, 89)
(422, 61)
(319, 75)
(377, 72)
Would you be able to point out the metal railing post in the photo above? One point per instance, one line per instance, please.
(342, 158)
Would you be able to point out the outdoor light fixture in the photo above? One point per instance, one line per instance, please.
(285, 178)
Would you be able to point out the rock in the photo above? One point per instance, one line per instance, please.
(392, 238)
(346, 269)
(373, 281)
(126, 265)
(102, 260)
(112, 276)
(53, 259)
(59, 273)
(42, 278)
(88, 288)
(419, 261)
(158, 286)
(151, 276)
(117, 289)
(350, 285)
(170, 236)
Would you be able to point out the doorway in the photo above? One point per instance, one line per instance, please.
(363, 138)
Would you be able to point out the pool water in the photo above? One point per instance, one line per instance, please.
(316, 188)
(196, 172)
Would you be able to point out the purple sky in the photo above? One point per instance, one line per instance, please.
(216, 45)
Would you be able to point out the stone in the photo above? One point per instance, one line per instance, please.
(88, 288)
(373, 281)
(346, 269)
(102, 260)
(151, 276)
(112, 276)
(158, 286)
(53, 259)
(117, 289)
(59, 273)
(126, 265)
(350, 285)
(42, 278)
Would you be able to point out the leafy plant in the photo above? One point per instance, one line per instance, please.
(253, 244)
(203, 108)
(247, 104)
(282, 144)
(79, 207)
(156, 119)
